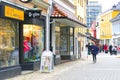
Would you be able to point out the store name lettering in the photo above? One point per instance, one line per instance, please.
(34, 15)
(14, 13)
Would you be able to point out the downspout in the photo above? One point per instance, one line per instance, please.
(48, 26)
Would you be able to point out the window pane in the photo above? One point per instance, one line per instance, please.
(57, 40)
(9, 42)
(33, 42)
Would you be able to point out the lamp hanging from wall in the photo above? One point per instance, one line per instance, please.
(25, 1)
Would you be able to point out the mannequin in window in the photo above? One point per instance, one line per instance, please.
(33, 44)
(26, 46)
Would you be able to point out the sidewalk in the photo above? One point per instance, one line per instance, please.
(37, 75)
(59, 69)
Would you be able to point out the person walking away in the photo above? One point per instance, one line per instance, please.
(114, 50)
(106, 48)
(110, 49)
(95, 51)
(89, 49)
(103, 48)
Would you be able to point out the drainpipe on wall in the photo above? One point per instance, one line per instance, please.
(49, 11)
(47, 33)
(47, 54)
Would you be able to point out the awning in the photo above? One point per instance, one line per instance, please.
(92, 38)
(62, 15)
(80, 34)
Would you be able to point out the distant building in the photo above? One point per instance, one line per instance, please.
(116, 30)
(93, 29)
(93, 10)
(105, 24)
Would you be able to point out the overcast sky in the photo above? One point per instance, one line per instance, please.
(107, 4)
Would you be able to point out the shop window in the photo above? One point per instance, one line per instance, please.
(9, 43)
(71, 39)
(33, 42)
(57, 40)
(64, 40)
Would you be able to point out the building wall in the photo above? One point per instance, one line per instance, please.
(67, 6)
(93, 10)
(116, 32)
(105, 24)
(81, 15)
(81, 10)
(30, 5)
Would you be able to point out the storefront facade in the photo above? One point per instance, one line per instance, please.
(67, 43)
(15, 30)
(64, 38)
(64, 34)
(32, 41)
(32, 33)
(9, 39)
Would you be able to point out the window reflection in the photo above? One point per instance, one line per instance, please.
(33, 42)
(57, 40)
(8, 43)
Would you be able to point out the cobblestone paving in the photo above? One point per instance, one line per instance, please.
(106, 68)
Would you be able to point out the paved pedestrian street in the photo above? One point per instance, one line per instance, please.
(106, 68)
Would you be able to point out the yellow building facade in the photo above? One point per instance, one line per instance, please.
(105, 24)
(81, 15)
(81, 12)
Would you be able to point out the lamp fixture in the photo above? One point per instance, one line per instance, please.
(25, 1)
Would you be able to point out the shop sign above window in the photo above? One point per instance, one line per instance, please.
(13, 13)
(25, 1)
(33, 13)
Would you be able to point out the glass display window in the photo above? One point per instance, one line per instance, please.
(33, 43)
(64, 39)
(9, 43)
(57, 40)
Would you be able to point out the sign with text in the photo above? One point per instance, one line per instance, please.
(13, 13)
(33, 13)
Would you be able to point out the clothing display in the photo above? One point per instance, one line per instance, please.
(33, 42)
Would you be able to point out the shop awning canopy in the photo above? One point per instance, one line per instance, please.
(93, 38)
(61, 15)
(80, 34)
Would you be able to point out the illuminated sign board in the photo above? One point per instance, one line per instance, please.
(14, 13)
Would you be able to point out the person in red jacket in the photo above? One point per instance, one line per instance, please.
(26, 48)
(106, 48)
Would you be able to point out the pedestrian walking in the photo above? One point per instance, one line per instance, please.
(110, 49)
(95, 51)
(102, 47)
(89, 49)
(106, 48)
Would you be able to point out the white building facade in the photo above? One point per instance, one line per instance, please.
(116, 30)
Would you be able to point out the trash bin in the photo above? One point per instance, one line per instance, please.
(47, 62)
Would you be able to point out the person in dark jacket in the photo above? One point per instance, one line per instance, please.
(110, 49)
(89, 49)
(95, 51)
